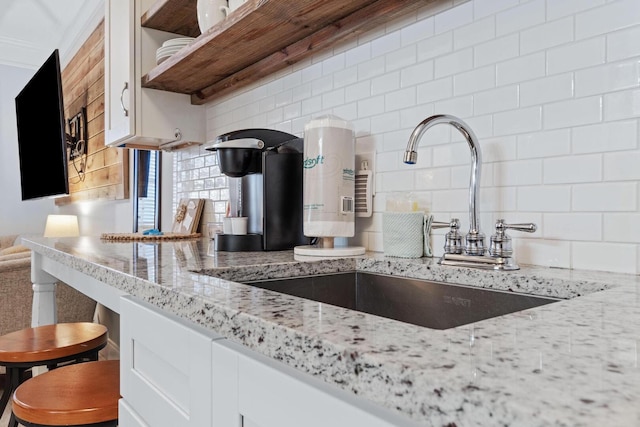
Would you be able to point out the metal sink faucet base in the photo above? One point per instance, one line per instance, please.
(474, 252)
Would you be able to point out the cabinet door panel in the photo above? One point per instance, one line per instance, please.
(224, 404)
(271, 398)
(166, 368)
(127, 417)
(119, 78)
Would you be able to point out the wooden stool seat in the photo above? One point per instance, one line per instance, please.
(49, 346)
(51, 342)
(75, 395)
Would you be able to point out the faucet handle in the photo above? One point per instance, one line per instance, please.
(500, 243)
(453, 239)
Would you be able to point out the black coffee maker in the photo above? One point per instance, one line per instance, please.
(264, 167)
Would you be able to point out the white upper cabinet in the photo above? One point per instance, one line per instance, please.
(137, 117)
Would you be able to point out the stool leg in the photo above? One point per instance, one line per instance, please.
(12, 421)
(13, 380)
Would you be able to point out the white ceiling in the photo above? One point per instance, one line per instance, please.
(31, 29)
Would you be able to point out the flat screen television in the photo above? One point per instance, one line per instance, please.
(42, 141)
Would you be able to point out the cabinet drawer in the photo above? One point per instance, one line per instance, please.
(166, 371)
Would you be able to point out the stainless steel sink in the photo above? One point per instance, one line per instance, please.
(420, 302)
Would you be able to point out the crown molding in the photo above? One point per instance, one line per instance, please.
(22, 54)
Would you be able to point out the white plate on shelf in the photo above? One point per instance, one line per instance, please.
(180, 41)
(164, 51)
(168, 50)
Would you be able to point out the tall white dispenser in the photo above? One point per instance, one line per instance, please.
(329, 186)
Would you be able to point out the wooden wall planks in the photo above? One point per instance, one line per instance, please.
(106, 168)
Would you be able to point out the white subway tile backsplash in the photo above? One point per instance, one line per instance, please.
(604, 137)
(461, 107)
(450, 154)
(605, 197)
(385, 44)
(552, 253)
(601, 256)
(546, 35)
(311, 72)
(329, 65)
(622, 166)
(518, 121)
(435, 46)
(410, 117)
(497, 50)
(401, 58)
(385, 83)
(497, 199)
(575, 56)
(622, 228)
(311, 106)
(416, 74)
(499, 149)
(400, 99)
(574, 112)
(397, 181)
(622, 105)
(302, 92)
(451, 200)
(358, 91)
(608, 78)
(549, 198)
(482, 8)
(610, 17)
(566, 170)
(573, 226)
(453, 63)
(333, 99)
(433, 179)
(623, 44)
(358, 55)
(557, 119)
(435, 90)
(474, 80)
(523, 172)
(561, 8)
(520, 69)
(492, 101)
(417, 31)
(544, 144)
(548, 89)
(371, 68)
(454, 18)
(371, 106)
(475, 33)
(520, 17)
(385, 122)
(482, 126)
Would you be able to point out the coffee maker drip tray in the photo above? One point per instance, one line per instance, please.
(238, 243)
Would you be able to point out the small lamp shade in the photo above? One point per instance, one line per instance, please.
(61, 226)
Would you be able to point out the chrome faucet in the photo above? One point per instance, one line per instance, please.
(473, 252)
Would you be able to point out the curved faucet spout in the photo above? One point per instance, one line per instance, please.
(474, 239)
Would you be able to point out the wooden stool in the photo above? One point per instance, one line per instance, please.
(50, 346)
(83, 394)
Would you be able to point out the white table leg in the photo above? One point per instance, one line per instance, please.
(44, 310)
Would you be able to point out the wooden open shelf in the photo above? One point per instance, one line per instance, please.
(258, 39)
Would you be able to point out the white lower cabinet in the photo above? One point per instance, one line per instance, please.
(128, 417)
(165, 367)
(175, 373)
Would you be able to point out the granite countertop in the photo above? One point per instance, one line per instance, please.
(570, 363)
